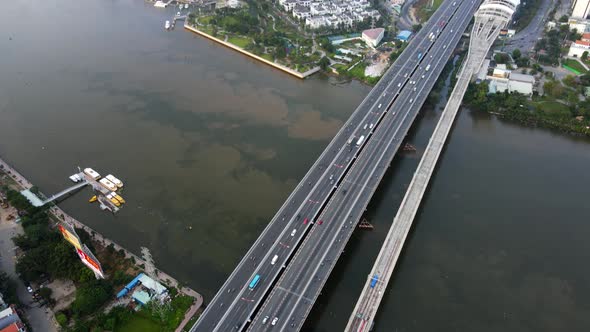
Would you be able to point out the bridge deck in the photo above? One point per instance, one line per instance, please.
(368, 303)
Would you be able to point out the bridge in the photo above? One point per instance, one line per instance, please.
(296, 252)
(492, 16)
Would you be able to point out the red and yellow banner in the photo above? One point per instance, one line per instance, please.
(70, 236)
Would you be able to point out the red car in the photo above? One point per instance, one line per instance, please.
(305, 221)
(320, 222)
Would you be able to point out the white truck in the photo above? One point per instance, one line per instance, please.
(360, 140)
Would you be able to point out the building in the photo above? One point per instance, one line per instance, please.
(404, 35)
(373, 36)
(579, 24)
(504, 80)
(578, 47)
(581, 9)
(10, 321)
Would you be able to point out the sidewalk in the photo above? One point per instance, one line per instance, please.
(189, 314)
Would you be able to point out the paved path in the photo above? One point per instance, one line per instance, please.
(189, 314)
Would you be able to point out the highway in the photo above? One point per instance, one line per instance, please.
(339, 178)
(487, 26)
(294, 295)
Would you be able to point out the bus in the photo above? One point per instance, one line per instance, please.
(374, 280)
(254, 282)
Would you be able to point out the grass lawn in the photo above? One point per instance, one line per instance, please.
(206, 29)
(358, 71)
(239, 41)
(204, 19)
(551, 106)
(267, 57)
(139, 324)
(575, 65)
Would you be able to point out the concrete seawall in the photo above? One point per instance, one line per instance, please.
(99, 238)
(241, 50)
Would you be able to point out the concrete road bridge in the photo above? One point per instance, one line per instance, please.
(491, 17)
(278, 280)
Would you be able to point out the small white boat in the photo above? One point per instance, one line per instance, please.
(167, 25)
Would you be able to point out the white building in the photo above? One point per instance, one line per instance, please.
(578, 47)
(581, 9)
(373, 36)
(503, 80)
(580, 25)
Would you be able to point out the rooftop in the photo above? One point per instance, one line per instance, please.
(522, 78)
(373, 33)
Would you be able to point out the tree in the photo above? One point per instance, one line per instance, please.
(516, 54)
(416, 27)
(324, 63)
(523, 61)
(501, 58)
(569, 80)
(91, 296)
(584, 56)
(572, 99)
(61, 319)
(563, 19)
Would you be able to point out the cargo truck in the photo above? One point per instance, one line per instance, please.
(360, 140)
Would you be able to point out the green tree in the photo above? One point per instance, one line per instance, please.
(563, 18)
(570, 80)
(61, 319)
(572, 98)
(91, 296)
(324, 63)
(516, 54)
(501, 58)
(584, 56)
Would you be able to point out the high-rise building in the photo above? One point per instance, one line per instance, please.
(581, 9)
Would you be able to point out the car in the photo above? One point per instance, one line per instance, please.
(414, 88)
(305, 221)
(29, 289)
(411, 100)
(274, 321)
(265, 319)
(399, 84)
(423, 76)
(293, 232)
(320, 222)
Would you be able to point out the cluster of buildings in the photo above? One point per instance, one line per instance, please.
(9, 318)
(145, 289)
(502, 79)
(330, 13)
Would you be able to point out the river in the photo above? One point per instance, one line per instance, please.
(209, 143)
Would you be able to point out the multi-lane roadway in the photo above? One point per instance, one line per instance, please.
(294, 295)
(306, 236)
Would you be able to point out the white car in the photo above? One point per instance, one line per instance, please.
(293, 232)
(265, 320)
(29, 289)
(274, 321)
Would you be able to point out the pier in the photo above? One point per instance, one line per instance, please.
(58, 213)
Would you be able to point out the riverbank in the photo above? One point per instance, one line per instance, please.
(99, 240)
(252, 55)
